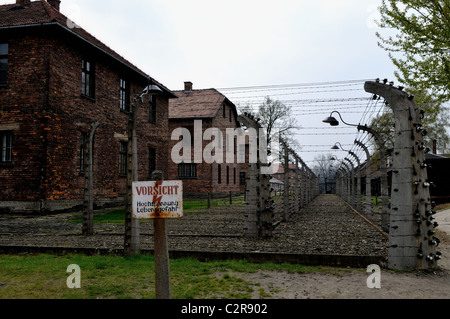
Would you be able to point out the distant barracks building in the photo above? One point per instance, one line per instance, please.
(56, 80)
(214, 110)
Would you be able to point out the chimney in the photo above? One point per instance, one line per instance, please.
(188, 87)
(434, 147)
(55, 3)
(22, 2)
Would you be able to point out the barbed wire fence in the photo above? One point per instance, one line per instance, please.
(407, 219)
(266, 207)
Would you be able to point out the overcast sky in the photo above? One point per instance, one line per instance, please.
(240, 43)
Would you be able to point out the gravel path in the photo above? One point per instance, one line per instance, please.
(326, 227)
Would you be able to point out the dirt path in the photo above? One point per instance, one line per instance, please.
(352, 284)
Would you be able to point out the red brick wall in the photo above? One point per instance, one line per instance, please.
(44, 96)
(207, 174)
(21, 102)
(201, 184)
(223, 123)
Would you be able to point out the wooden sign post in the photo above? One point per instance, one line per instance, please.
(159, 200)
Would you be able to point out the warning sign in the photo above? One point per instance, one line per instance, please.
(152, 200)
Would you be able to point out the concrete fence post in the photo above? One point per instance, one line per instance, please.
(88, 214)
(287, 187)
(348, 186)
(352, 197)
(132, 231)
(412, 243)
(368, 205)
(358, 183)
(303, 185)
(297, 187)
(259, 210)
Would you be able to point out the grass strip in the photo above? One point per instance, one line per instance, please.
(109, 277)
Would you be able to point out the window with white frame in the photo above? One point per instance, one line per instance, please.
(124, 95)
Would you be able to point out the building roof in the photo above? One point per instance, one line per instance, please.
(278, 168)
(276, 181)
(198, 104)
(41, 13)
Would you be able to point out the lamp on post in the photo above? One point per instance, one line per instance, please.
(333, 122)
(384, 181)
(131, 240)
(336, 147)
(357, 187)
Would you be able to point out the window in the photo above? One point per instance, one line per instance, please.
(234, 176)
(3, 63)
(187, 170)
(6, 146)
(88, 79)
(152, 109)
(124, 95)
(151, 160)
(224, 111)
(231, 115)
(219, 174)
(123, 158)
(242, 178)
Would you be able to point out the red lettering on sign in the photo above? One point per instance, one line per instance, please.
(157, 190)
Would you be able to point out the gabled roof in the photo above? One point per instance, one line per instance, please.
(41, 13)
(35, 12)
(278, 168)
(198, 104)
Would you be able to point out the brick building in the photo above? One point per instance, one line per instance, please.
(56, 79)
(214, 110)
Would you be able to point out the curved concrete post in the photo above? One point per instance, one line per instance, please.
(341, 182)
(344, 179)
(411, 236)
(358, 182)
(348, 190)
(385, 213)
(352, 181)
(303, 185)
(368, 205)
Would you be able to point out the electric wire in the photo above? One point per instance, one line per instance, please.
(310, 99)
